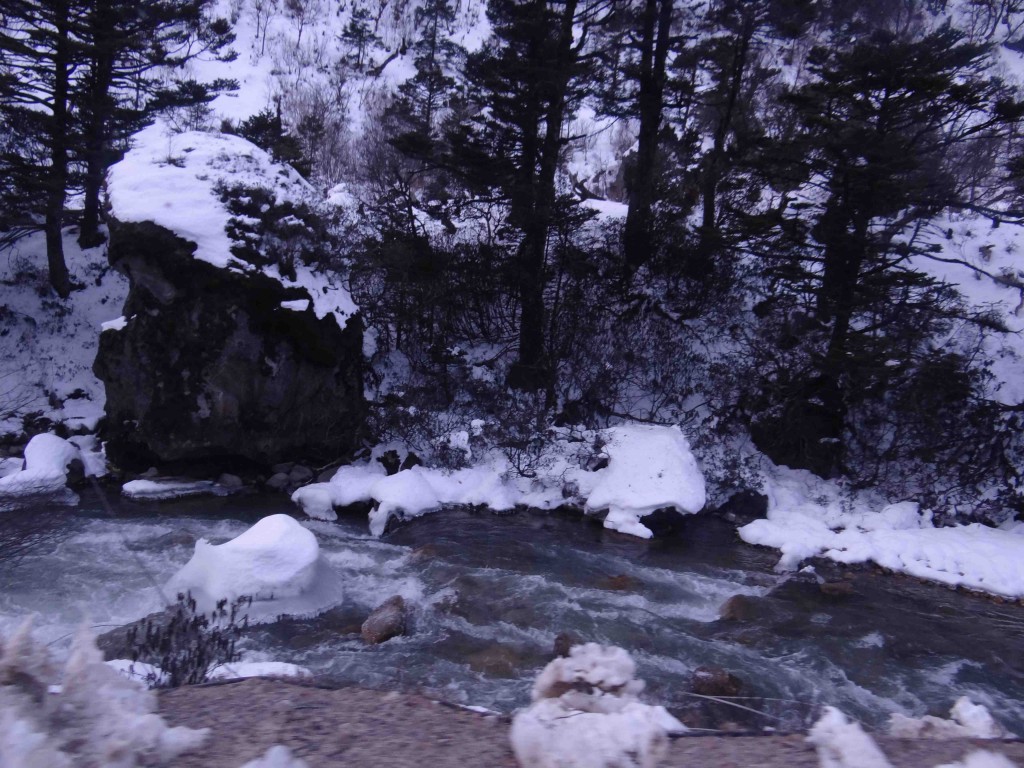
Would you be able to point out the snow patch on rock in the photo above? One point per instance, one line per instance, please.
(172, 180)
(276, 562)
(47, 461)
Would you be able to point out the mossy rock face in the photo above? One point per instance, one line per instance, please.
(211, 370)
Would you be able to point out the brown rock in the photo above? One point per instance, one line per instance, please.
(715, 681)
(620, 583)
(837, 588)
(496, 661)
(386, 621)
(564, 643)
(737, 608)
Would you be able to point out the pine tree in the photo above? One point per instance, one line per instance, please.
(40, 44)
(527, 84)
(128, 47)
(881, 133)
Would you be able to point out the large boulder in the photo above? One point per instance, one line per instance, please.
(222, 363)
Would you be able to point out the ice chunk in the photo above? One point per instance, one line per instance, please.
(239, 669)
(277, 756)
(168, 488)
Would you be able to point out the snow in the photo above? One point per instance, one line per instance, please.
(649, 468)
(843, 744)
(967, 720)
(171, 179)
(277, 756)
(50, 344)
(276, 562)
(810, 517)
(168, 488)
(118, 324)
(586, 714)
(981, 758)
(95, 716)
(241, 669)
(47, 458)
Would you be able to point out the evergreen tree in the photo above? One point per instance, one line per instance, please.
(128, 47)
(40, 54)
(527, 84)
(881, 133)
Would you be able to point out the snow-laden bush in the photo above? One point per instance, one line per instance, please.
(91, 716)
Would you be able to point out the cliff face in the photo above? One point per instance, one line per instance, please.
(216, 365)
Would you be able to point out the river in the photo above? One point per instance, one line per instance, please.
(489, 593)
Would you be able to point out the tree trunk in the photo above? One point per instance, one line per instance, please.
(637, 236)
(709, 235)
(532, 370)
(57, 177)
(95, 139)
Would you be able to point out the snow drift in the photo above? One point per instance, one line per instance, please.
(646, 468)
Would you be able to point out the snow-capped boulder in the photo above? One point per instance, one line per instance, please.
(48, 461)
(216, 359)
(276, 562)
(586, 714)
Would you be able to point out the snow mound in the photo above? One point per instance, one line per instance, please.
(843, 744)
(585, 714)
(47, 461)
(172, 180)
(967, 720)
(648, 468)
(276, 562)
(409, 494)
(810, 517)
(96, 717)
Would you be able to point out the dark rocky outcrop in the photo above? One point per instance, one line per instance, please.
(211, 370)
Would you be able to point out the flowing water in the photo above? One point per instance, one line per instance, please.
(489, 594)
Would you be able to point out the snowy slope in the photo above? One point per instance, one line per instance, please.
(49, 345)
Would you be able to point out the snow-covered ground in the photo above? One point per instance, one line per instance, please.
(49, 344)
(810, 517)
(642, 469)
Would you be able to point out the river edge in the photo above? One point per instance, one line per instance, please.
(362, 728)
